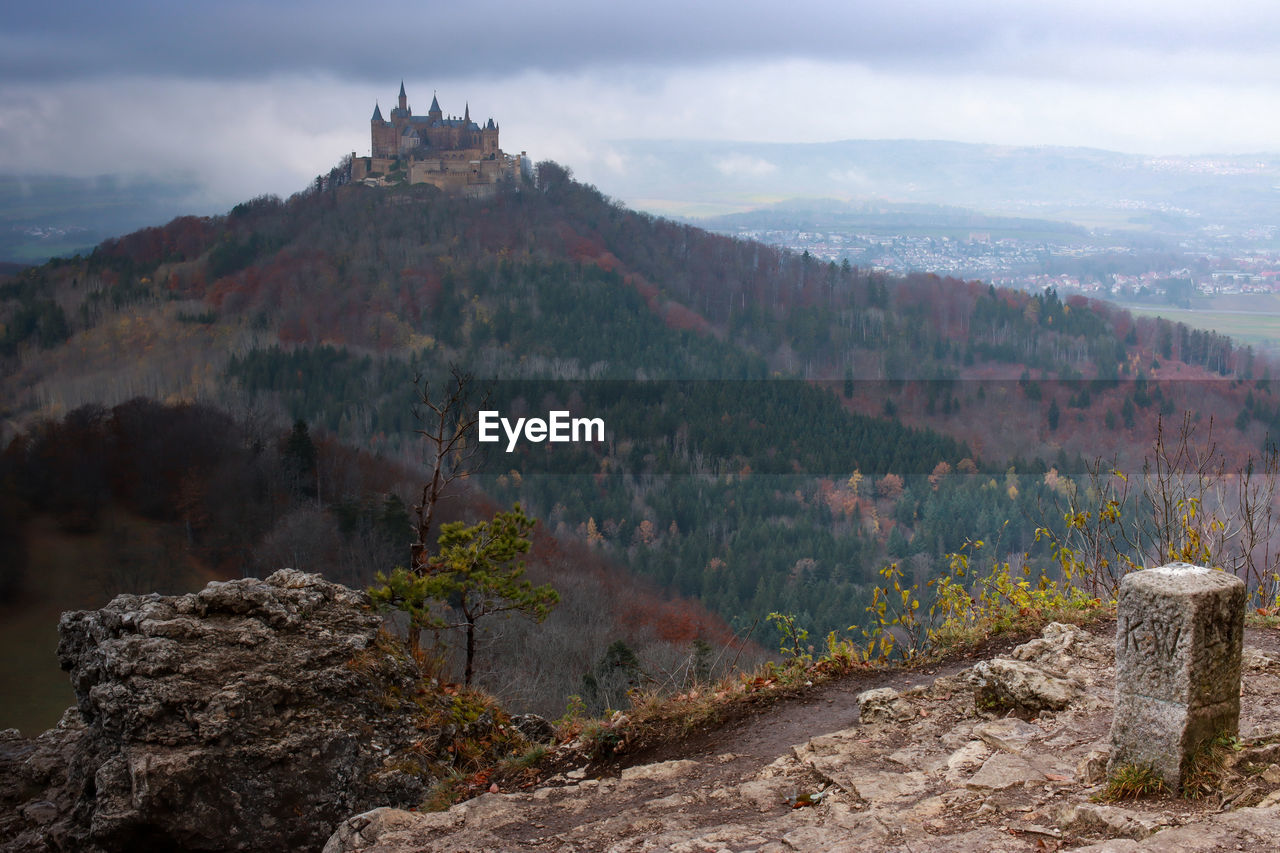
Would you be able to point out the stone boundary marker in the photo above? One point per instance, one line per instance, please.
(1179, 634)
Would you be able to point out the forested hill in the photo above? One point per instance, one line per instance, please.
(510, 284)
(778, 427)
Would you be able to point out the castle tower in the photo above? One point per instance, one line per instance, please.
(382, 135)
(489, 138)
(404, 99)
(435, 113)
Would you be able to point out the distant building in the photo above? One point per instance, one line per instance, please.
(451, 153)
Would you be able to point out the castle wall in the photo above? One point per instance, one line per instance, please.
(461, 173)
(383, 139)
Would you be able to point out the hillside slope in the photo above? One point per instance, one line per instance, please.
(778, 429)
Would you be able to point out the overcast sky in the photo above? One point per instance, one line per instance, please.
(260, 97)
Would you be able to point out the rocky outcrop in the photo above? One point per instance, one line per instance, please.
(261, 715)
(252, 715)
(924, 768)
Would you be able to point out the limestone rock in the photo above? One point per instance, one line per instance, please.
(1092, 769)
(251, 715)
(363, 830)
(883, 705)
(1110, 821)
(1002, 685)
(848, 836)
(535, 729)
(842, 758)
(35, 774)
(1008, 733)
(1245, 829)
(765, 795)
(1255, 660)
(1059, 645)
(965, 761)
(661, 770)
(1004, 770)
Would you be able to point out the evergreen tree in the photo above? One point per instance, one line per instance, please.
(616, 672)
(476, 572)
(299, 460)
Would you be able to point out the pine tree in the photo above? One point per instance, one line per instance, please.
(299, 459)
(476, 572)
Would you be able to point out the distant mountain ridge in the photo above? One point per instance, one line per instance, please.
(1083, 185)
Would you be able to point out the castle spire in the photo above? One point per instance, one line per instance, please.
(435, 105)
(467, 117)
(404, 100)
(377, 112)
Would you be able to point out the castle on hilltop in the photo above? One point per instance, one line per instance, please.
(451, 153)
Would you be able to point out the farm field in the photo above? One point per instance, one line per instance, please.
(1249, 319)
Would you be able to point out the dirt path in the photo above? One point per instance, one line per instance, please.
(769, 732)
(829, 707)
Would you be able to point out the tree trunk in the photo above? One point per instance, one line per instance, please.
(471, 651)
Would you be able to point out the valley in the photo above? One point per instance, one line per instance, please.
(779, 428)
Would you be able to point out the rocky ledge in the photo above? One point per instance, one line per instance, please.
(1006, 755)
(252, 715)
(274, 715)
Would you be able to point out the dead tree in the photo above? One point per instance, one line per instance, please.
(446, 424)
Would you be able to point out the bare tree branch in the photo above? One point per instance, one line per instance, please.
(448, 421)
(1188, 506)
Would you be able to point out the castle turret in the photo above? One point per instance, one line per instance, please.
(404, 99)
(489, 139)
(382, 134)
(435, 113)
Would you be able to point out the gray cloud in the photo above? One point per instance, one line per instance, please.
(257, 97)
(237, 39)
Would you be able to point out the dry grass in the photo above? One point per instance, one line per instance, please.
(1132, 782)
(655, 717)
(1208, 769)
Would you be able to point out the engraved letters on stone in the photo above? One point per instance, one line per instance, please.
(1179, 632)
